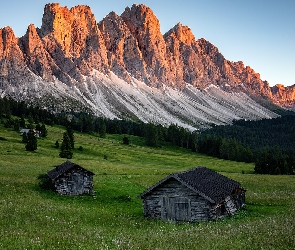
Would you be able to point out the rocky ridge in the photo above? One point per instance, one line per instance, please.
(72, 57)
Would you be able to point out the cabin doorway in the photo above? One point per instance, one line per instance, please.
(175, 208)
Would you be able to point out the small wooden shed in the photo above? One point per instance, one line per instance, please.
(198, 194)
(71, 179)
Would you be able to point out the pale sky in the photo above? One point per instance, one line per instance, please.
(261, 33)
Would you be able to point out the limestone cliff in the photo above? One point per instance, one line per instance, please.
(71, 46)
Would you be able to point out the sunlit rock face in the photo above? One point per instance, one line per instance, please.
(73, 41)
(284, 95)
(145, 28)
(76, 55)
(13, 69)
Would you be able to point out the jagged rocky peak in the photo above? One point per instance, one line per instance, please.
(114, 30)
(145, 28)
(284, 95)
(37, 58)
(74, 42)
(124, 55)
(7, 40)
(68, 27)
(183, 33)
(9, 49)
(141, 17)
(30, 40)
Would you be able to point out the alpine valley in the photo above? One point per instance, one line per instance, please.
(123, 67)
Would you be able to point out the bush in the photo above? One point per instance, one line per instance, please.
(45, 182)
(126, 140)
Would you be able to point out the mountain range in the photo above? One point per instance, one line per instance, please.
(123, 67)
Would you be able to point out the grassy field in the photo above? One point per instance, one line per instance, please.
(31, 218)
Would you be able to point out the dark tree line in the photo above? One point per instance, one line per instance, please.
(268, 143)
(224, 148)
(271, 142)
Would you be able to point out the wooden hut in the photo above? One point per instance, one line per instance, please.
(71, 179)
(198, 194)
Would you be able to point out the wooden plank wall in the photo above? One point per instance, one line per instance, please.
(200, 208)
(75, 182)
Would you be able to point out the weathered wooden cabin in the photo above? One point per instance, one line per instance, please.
(198, 194)
(71, 179)
(26, 130)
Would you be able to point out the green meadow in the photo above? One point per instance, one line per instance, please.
(32, 218)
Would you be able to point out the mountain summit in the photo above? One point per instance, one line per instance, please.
(123, 67)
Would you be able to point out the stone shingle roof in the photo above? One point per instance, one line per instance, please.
(63, 168)
(205, 182)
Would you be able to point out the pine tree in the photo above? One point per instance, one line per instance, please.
(43, 130)
(30, 118)
(71, 137)
(16, 125)
(25, 137)
(32, 141)
(102, 128)
(151, 135)
(22, 122)
(126, 140)
(66, 147)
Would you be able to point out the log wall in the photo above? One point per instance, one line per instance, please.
(75, 182)
(174, 201)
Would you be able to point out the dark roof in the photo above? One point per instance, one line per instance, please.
(63, 168)
(207, 183)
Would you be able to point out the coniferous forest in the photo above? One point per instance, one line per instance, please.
(269, 143)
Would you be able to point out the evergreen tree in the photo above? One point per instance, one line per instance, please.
(71, 137)
(25, 138)
(172, 134)
(5, 108)
(38, 127)
(125, 140)
(22, 122)
(193, 141)
(32, 141)
(102, 128)
(43, 130)
(8, 123)
(66, 147)
(151, 135)
(16, 125)
(30, 118)
(56, 144)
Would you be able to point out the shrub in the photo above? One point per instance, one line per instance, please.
(126, 140)
(45, 182)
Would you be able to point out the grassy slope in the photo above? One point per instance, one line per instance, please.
(34, 219)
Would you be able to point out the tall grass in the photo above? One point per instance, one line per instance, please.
(31, 218)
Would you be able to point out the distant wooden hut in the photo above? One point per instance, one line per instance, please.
(71, 179)
(198, 194)
(26, 130)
